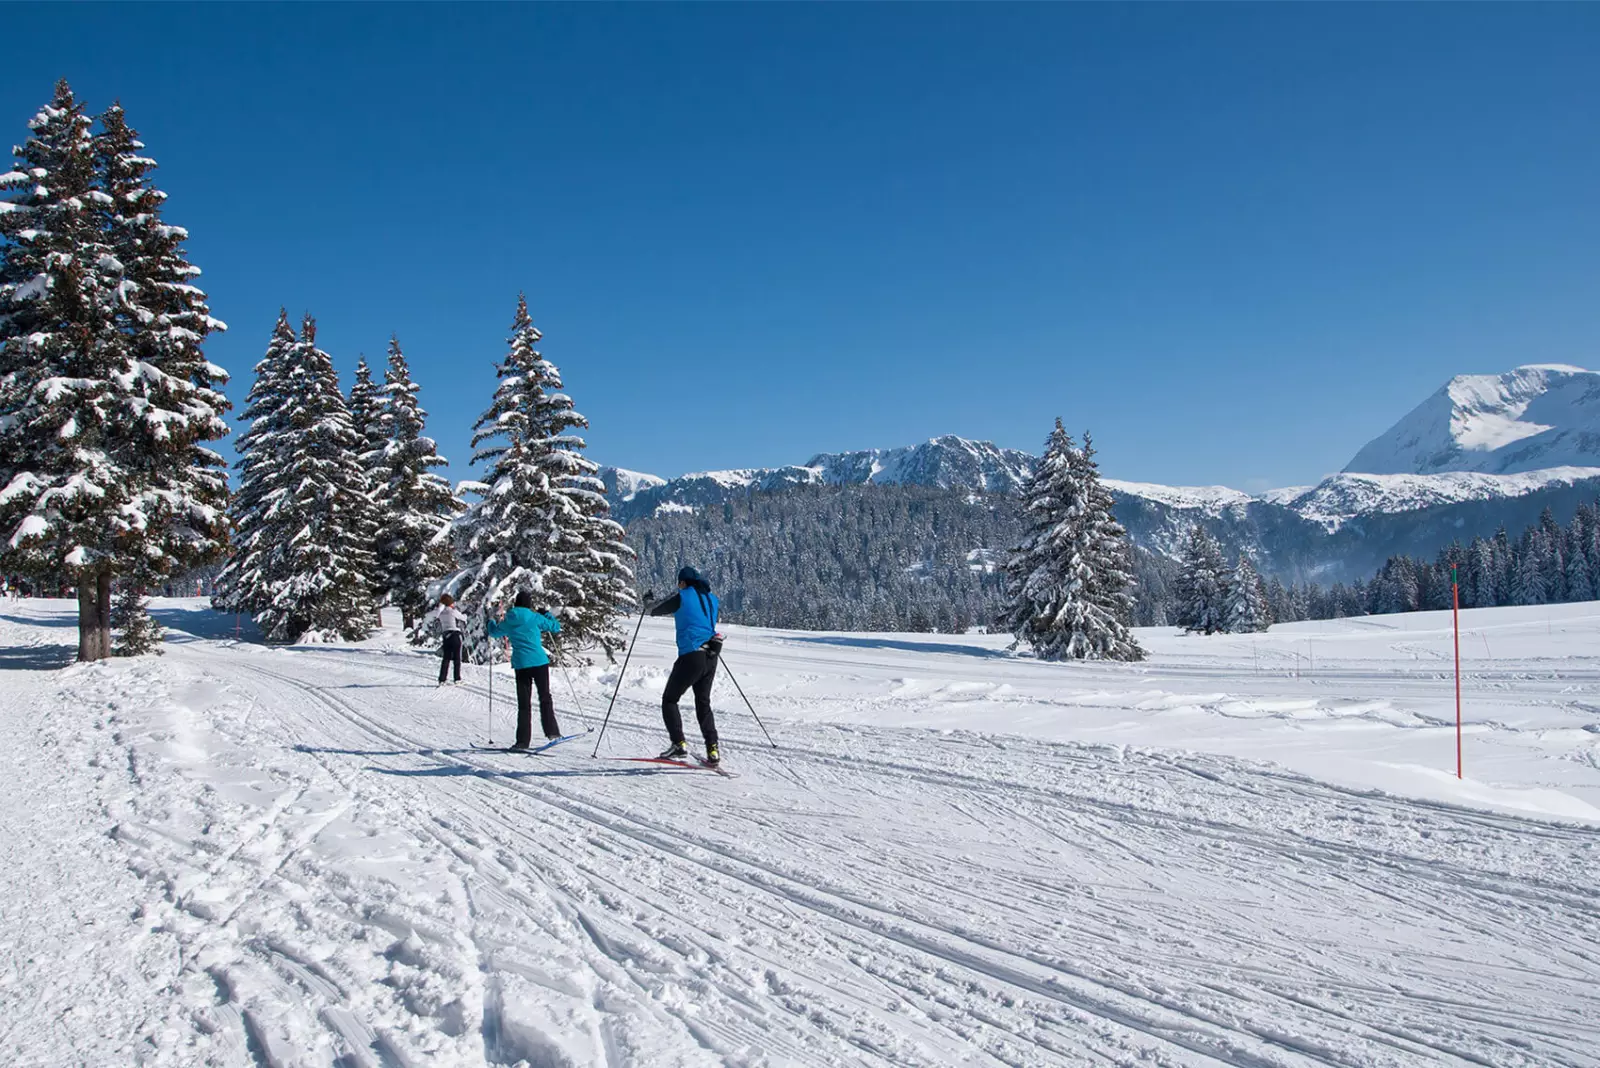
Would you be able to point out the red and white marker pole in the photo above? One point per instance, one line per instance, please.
(1455, 619)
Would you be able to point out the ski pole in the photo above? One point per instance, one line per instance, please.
(621, 673)
(575, 702)
(747, 703)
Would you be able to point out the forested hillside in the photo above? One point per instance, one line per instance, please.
(892, 557)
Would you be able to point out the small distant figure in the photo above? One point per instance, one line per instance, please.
(453, 624)
(694, 610)
(531, 663)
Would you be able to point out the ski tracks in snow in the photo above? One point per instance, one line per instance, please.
(341, 880)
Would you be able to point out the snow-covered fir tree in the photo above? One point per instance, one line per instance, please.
(1202, 586)
(417, 505)
(139, 634)
(1068, 584)
(175, 407)
(1247, 610)
(301, 567)
(260, 522)
(368, 421)
(106, 401)
(69, 500)
(539, 523)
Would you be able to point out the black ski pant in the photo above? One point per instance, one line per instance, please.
(527, 679)
(697, 670)
(451, 654)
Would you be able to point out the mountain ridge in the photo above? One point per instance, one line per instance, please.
(1476, 436)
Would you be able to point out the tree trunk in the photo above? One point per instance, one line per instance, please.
(88, 621)
(103, 596)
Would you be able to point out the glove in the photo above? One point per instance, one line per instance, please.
(649, 597)
(547, 612)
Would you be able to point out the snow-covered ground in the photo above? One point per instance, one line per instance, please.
(241, 855)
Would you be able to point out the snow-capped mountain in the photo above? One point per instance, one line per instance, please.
(947, 462)
(1346, 496)
(1533, 418)
(623, 485)
(1484, 451)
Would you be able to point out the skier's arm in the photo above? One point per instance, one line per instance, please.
(669, 606)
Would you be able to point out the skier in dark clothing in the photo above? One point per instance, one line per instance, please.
(530, 662)
(451, 623)
(694, 610)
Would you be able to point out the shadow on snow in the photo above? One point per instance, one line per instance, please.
(901, 644)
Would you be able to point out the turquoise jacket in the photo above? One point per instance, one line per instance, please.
(524, 627)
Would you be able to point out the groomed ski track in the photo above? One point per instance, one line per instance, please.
(340, 879)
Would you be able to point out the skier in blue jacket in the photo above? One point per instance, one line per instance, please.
(694, 609)
(524, 627)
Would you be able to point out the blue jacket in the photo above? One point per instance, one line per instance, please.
(694, 610)
(523, 626)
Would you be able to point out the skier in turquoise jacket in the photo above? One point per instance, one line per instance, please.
(694, 609)
(526, 628)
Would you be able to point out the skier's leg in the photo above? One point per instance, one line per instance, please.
(524, 706)
(682, 677)
(444, 659)
(455, 653)
(702, 699)
(547, 704)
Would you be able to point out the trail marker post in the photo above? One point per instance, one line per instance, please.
(1455, 621)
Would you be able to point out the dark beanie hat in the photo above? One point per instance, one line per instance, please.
(525, 600)
(689, 576)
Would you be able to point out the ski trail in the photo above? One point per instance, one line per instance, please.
(335, 877)
(1189, 1029)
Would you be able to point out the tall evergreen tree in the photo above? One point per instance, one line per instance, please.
(1247, 610)
(367, 415)
(418, 505)
(260, 519)
(369, 423)
(300, 565)
(1575, 583)
(68, 500)
(175, 407)
(535, 526)
(1202, 586)
(1527, 579)
(1068, 583)
(325, 588)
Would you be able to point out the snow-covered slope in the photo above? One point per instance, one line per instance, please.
(1212, 500)
(624, 485)
(1346, 496)
(234, 855)
(1535, 417)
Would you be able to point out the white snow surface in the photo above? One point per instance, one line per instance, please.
(1531, 418)
(1249, 850)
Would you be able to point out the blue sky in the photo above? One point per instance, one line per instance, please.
(1234, 241)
